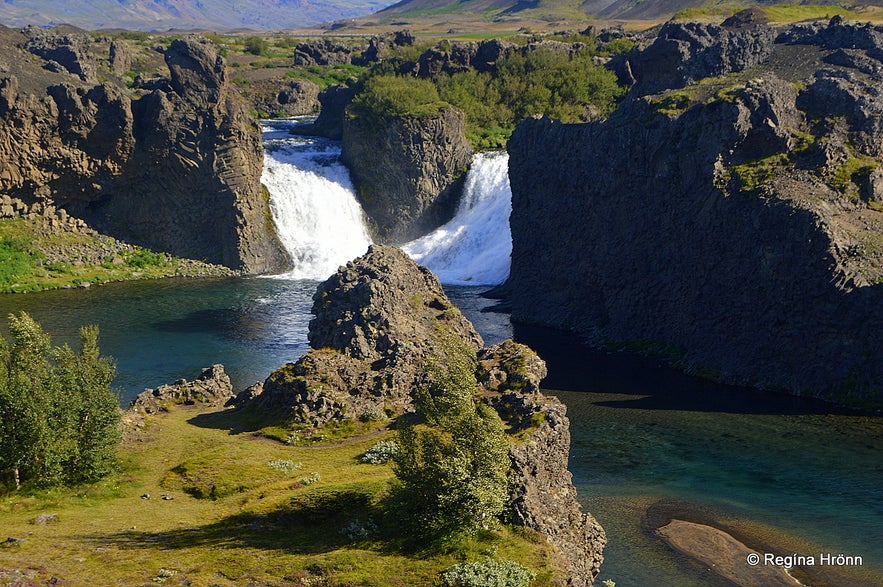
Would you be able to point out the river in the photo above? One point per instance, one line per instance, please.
(648, 443)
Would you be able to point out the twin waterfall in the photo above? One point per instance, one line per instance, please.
(322, 226)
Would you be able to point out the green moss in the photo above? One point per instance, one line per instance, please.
(852, 172)
(803, 142)
(753, 174)
(672, 104)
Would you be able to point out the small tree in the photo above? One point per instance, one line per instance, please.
(453, 464)
(59, 419)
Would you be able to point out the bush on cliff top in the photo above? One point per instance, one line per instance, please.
(452, 465)
(388, 96)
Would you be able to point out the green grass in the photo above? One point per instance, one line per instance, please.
(851, 171)
(34, 258)
(269, 530)
(753, 174)
(775, 13)
(794, 13)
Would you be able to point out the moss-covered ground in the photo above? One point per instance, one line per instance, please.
(229, 509)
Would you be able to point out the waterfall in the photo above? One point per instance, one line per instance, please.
(321, 225)
(474, 247)
(312, 201)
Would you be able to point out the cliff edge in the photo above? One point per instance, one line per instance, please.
(727, 216)
(171, 163)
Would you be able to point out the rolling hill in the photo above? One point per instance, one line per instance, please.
(634, 10)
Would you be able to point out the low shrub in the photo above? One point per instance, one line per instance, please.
(487, 573)
(381, 453)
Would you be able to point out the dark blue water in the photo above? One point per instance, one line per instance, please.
(648, 443)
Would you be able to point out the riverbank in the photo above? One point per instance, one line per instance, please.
(641, 433)
(279, 515)
(55, 251)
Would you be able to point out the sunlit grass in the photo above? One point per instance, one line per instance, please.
(271, 530)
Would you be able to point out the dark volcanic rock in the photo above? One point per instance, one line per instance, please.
(732, 234)
(324, 52)
(120, 58)
(176, 170)
(212, 388)
(333, 100)
(684, 53)
(544, 498)
(378, 321)
(381, 322)
(69, 51)
(279, 98)
(380, 46)
(408, 171)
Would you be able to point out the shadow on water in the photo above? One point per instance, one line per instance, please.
(574, 366)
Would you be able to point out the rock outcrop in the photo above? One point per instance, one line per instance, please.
(211, 388)
(175, 168)
(381, 324)
(685, 53)
(324, 52)
(731, 227)
(379, 321)
(408, 171)
(280, 98)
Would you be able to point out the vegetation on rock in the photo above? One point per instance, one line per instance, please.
(39, 253)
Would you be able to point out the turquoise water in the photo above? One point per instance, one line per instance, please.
(159, 331)
(648, 443)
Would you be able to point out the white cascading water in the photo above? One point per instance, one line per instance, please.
(318, 219)
(322, 226)
(474, 248)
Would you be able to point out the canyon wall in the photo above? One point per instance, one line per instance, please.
(729, 222)
(173, 163)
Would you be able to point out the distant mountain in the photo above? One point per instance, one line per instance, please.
(600, 9)
(159, 15)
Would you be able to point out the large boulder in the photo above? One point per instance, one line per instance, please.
(379, 321)
(70, 51)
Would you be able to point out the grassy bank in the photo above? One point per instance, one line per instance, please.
(37, 254)
(264, 523)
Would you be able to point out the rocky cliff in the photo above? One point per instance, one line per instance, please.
(381, 323)
(175, 166)
(731, 224)
(409, 171)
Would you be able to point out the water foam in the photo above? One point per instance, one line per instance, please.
(474, 248)
(312, 201)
